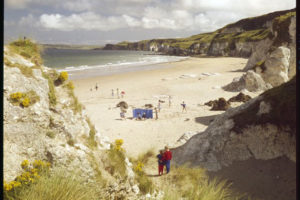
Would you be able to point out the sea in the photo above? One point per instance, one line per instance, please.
(81, 63)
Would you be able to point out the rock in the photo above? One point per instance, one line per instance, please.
(250, 80)
(241, 97)
(276, 67)
(220, 104)
(247, 131)
(136, 189)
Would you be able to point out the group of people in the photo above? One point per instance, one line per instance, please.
(141, 117)
(164, 159)
(118, 94)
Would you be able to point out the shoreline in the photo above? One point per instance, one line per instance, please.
(194, 80)
(119, 69)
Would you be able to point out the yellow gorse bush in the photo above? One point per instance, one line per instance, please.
(30, 174)
(63, 76)
(25, 102)
(24, 99)
(118, 144)
(139, 167)
(16, 96)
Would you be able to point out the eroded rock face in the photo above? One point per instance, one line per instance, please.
(219, 145)
(250, 80)
(38, 132)
(276, 67)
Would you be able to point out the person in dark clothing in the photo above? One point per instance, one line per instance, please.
(144, 116)
(160, 162)
(167, 157)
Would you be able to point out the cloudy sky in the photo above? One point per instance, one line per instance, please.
(109, 21)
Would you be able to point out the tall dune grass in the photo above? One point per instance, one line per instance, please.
(60, 186)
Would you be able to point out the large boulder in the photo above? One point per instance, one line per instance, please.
(250, 80)
(275, 69)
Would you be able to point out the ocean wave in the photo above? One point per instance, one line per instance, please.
(125, 63)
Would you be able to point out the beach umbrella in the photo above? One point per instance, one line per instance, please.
(122, 104)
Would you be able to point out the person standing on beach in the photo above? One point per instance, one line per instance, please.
(167, 157)
(170, 101)
(118, 93)
(158, 106)
(160, 162)
(156, 114)
(96, 87)
(112, 92)
(183, 106)
(122, 94)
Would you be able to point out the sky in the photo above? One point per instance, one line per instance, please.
(98, 22)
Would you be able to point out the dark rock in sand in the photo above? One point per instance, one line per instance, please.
(148, 105)
(122, 104)
(241, 97)
(220, 104)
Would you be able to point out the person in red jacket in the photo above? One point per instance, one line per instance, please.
(167, 157)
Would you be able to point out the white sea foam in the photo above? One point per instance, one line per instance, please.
(125, 64)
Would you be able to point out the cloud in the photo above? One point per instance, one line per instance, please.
(84, 21)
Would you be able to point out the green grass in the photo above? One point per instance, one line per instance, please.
(27, 49)
(50, 134)
(51, 93)
(75, 105)
(91, 142)
(145, 184)
(116, 162)
(60, 185)
(281, 25)
(193, 183)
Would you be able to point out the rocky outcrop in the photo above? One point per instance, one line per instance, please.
(250, 81)
(258, 129)
(220, 104)
(55, 131)
(275, 69)
(241, 97)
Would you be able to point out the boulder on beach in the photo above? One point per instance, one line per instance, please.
(122, 104)
(220, 104)
(241, 97)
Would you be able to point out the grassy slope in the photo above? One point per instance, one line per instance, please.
(253, 31)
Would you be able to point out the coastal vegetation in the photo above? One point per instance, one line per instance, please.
(28, 49)
(24, 99)
(246, 30)
(116, 159)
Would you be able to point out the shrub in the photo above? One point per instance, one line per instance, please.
(193, 183)
(24, 99)
(50, 134)
(63, 76)
(60, 185)
(71, 142)
(145, 184)
(27, 49)
(16, 96)
(51, 93)
(91, 139)
(70, 85)
(25, 102)
(31, 173)
(116, 159)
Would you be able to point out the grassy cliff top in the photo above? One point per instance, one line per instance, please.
(252, 29)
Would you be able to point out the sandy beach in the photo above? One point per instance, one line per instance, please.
(194, 80)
